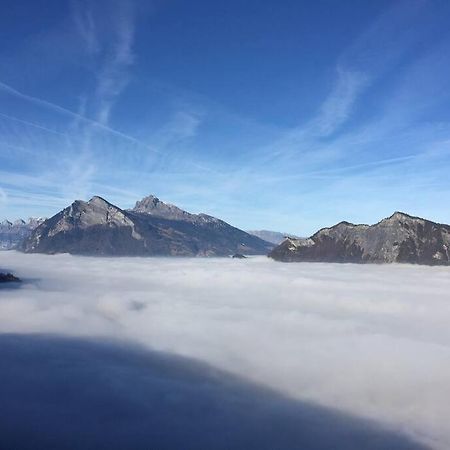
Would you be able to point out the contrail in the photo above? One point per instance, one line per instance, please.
(32, 124)
(379, 162)
(10, 90)
(339, 170)
(73, 114)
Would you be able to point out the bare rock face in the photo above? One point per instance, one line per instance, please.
(94, 227)
(399, 238)
(97, 227)
(154, 206)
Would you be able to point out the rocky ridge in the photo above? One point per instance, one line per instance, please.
(399, 238)
(151, 228)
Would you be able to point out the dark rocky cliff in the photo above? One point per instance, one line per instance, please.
(399, 238)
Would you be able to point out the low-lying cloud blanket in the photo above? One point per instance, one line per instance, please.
(370, 340)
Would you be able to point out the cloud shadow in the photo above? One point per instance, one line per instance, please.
(68, 393)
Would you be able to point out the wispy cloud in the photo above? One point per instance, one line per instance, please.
(181, 127)
(3, 196)
(337, 107)
(86, 27)
(376, 51)
(110, 46)
(113, 76)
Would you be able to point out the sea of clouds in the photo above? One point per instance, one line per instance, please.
(370, 340)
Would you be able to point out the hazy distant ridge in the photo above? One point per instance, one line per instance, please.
(12, 234)
(275, 237)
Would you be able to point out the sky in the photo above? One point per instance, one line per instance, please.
(288, 115)
(358, 339)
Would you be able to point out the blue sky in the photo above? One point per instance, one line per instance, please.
(280, 115)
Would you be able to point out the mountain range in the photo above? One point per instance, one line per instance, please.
(12, 234)
(151, 228)
(155, 228)
(399, 238)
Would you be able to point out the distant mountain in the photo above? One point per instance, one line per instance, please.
(399, 238)
(12, 234)
(275, 237)
(152, 227)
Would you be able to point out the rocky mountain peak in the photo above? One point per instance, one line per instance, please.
(400, 220)
(95, 204)
(33, 222)
(399, 216)
(154, 206)
(148, 202)
(97, 200)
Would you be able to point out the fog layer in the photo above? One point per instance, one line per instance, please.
(369, 340)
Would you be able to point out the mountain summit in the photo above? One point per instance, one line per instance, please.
(154, 206)
(398, 238)
(151, 228)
